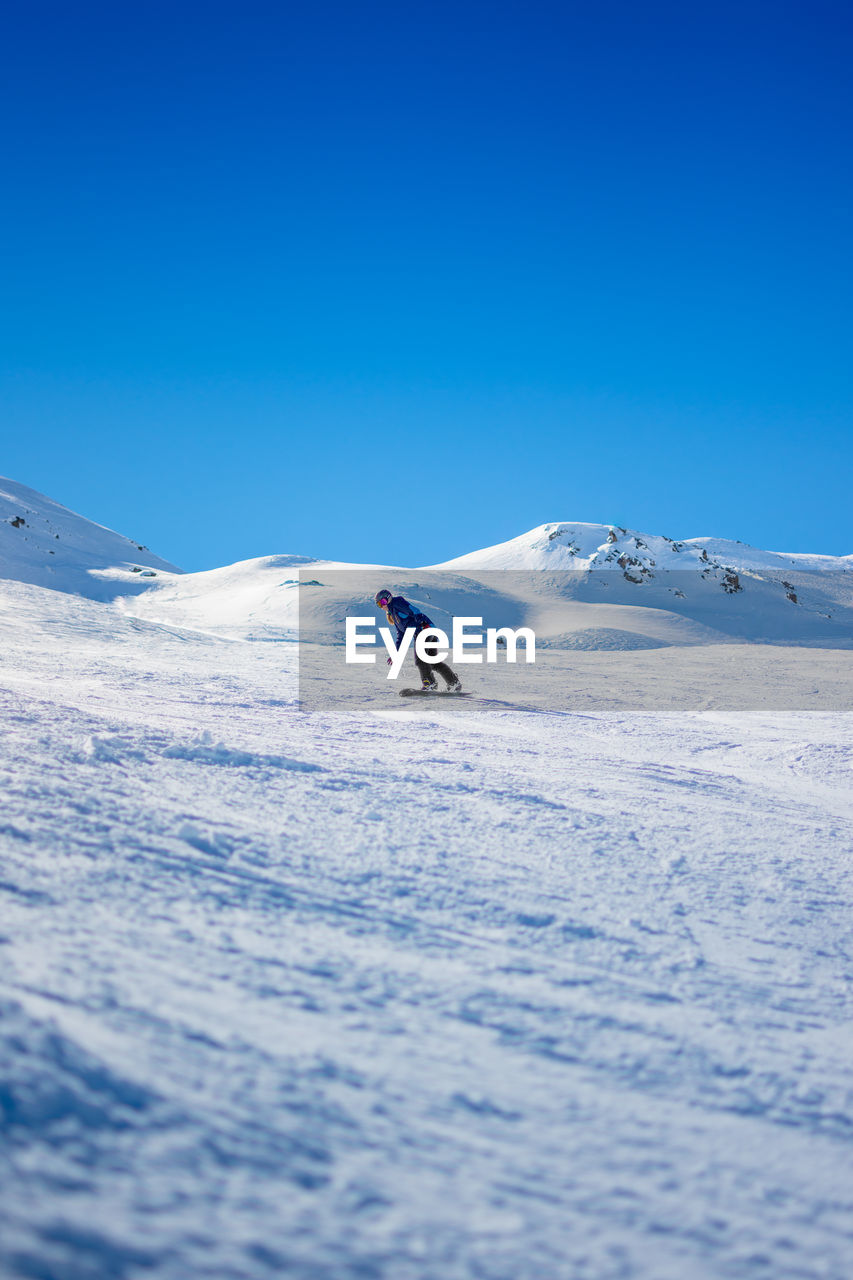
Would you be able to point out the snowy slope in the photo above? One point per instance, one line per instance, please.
(461, 990)
(255, 599)
(529, 986)
(46, 544)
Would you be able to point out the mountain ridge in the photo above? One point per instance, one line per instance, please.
(587, 585)
(41, 522)
(567, 545)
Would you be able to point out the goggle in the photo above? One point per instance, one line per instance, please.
(383, 601)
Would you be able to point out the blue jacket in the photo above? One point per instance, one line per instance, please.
(402, 615)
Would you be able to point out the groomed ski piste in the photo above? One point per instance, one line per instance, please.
(549, 983)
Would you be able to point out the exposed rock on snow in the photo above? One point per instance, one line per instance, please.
(592, 546)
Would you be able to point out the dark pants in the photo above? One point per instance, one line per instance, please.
(428, 670)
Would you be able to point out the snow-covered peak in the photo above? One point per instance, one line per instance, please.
(45, 544)
(601, 546)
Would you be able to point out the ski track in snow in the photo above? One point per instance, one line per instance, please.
(425, 992)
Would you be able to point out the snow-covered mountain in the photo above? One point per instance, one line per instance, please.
(726, 587)
(580, 586)
(602, 546)
(44, 543)
(577, 586)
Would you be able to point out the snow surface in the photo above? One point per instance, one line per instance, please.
(500, 989)
(45, 543)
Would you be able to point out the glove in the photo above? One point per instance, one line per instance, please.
(387, 662)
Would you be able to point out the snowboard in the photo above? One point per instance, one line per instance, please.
(433, 693)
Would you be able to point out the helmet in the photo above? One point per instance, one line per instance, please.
(383, 597)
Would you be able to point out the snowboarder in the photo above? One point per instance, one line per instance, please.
(402, 615)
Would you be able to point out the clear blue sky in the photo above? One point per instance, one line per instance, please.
(389, 281)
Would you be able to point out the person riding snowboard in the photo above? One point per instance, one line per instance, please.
(402, 615)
